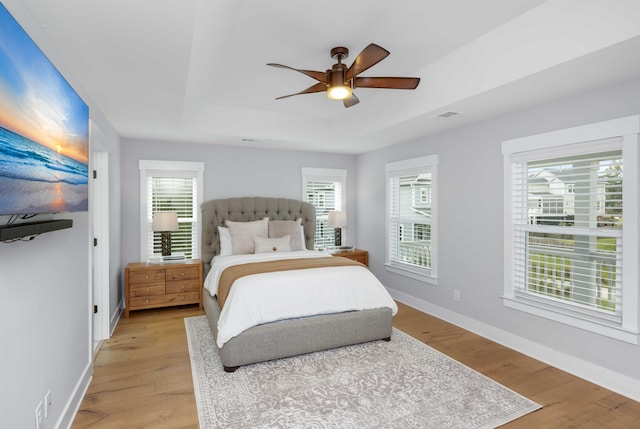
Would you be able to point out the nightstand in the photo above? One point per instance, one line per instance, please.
(163, 284)
(361, 256)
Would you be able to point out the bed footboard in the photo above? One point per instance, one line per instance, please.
(298, 336)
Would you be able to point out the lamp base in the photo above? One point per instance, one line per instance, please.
(174, 257)
(166, 243)
(338, 236)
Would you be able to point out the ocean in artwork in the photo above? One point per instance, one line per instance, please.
(36, 179)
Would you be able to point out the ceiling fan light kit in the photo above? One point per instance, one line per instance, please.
(340, 81)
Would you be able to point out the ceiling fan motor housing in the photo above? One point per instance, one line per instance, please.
(336, 76)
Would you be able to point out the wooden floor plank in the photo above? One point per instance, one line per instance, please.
(142, 376)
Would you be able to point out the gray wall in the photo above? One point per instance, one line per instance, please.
(470, 210)
(229, 172)
(45, 318)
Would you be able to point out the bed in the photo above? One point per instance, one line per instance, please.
(293, 335)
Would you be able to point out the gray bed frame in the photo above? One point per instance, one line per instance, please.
(288, 337)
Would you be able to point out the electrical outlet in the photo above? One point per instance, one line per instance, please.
(47, 404)
(456, 295)
(39, 416)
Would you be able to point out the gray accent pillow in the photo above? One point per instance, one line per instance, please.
(281, 228)
(242, 234)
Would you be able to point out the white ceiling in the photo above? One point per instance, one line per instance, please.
(195, 70)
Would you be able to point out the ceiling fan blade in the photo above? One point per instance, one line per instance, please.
(318, 87)
(351, 101)
(387, 82)
(319, 76)
(369, 57)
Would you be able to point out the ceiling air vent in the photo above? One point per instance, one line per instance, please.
(447, 114)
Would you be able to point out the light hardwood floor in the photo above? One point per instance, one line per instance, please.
(142, 376)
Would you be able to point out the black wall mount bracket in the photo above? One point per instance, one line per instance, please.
(20, 230)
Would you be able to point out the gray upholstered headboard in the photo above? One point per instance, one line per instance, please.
(215, 212)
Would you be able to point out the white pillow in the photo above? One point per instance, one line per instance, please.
(280, 228)
(303, 245)
(242, 234)
(270, 245)
(226, 247)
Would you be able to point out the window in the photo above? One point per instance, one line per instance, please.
(171, 186)
(564, 252)
(411, 217)
(326, 190)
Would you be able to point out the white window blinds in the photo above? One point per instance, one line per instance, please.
(568, 224)
(174, 194)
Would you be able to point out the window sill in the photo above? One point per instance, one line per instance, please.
(414, 274)
(540, 310)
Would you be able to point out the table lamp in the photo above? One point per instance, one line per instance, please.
(338, 219)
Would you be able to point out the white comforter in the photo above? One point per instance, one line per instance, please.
(268, 297)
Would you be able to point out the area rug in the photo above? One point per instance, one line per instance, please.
(398, 384)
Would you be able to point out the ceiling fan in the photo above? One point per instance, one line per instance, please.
(340, 81)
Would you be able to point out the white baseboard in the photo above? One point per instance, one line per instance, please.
(73, 404)
(115, 318)
(619, 383)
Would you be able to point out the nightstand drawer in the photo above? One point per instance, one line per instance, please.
(183, 298)
(183, 286)
(146, 276)
(173, 298)
(144, 289)
(183, 273)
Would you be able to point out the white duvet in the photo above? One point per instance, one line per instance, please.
(268, 297)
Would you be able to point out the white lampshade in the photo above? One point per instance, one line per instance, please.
(165, 221)
(337, 218)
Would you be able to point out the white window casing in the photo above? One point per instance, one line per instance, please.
(569, 256)
(325, 188)
(178, 184)
(411, 218)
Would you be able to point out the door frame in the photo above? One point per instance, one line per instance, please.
(100, 255)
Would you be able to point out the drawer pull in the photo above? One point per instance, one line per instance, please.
(147, 289)
(182, 273)
(147, 276)
(146, 300)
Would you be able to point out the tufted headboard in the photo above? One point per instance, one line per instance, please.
(215, 212)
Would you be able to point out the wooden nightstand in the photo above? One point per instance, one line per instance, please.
(361, 256)
(153, 285)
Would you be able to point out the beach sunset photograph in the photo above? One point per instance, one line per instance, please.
(44, 130)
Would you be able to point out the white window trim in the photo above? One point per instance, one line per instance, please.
(627, 129)
(328, 174)
(406, 270)
(178, 169)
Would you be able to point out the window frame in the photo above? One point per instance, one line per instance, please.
(556, 144)
(405, 167)
(151, 168)
(336, 175)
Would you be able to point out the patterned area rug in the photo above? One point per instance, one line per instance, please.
(398, 384)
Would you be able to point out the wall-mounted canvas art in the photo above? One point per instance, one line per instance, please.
(44, 130)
